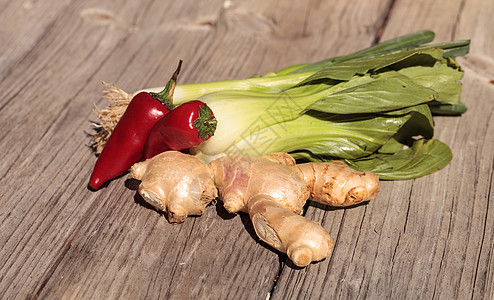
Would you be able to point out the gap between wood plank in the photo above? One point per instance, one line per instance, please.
(457, 20)
(476, 276)
(380, 29)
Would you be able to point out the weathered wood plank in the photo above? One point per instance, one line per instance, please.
(140, 255)
(46, 162)
(427, 238)
(24, 24)
(430, 237)
(37, 215)
(193, 266)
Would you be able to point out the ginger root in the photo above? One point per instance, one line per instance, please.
(271, 189)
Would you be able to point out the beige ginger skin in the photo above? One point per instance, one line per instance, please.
(271, 189)
(179, 184)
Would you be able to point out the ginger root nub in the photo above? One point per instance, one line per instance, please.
(335, 183)
(302, 240)
(177, 183)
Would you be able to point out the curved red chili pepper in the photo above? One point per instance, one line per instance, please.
(184, 127)
(126, 143)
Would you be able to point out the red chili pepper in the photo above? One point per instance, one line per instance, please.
(126, 143)
(184, 127)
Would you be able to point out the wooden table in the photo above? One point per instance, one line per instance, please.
(426, 238)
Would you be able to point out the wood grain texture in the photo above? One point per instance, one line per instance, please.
(430, 237)
(426, 238)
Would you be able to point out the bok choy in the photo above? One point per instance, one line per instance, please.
(373, 108)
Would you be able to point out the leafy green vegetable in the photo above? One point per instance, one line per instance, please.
(443, 77)
(423, 158)
(372, 109)
(448, 109)
(402, 43)
(346, 70)
(387, 91)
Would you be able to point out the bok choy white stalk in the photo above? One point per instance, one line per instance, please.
(243, 115)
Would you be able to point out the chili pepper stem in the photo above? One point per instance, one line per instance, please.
(206, 122)
(166, 95)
